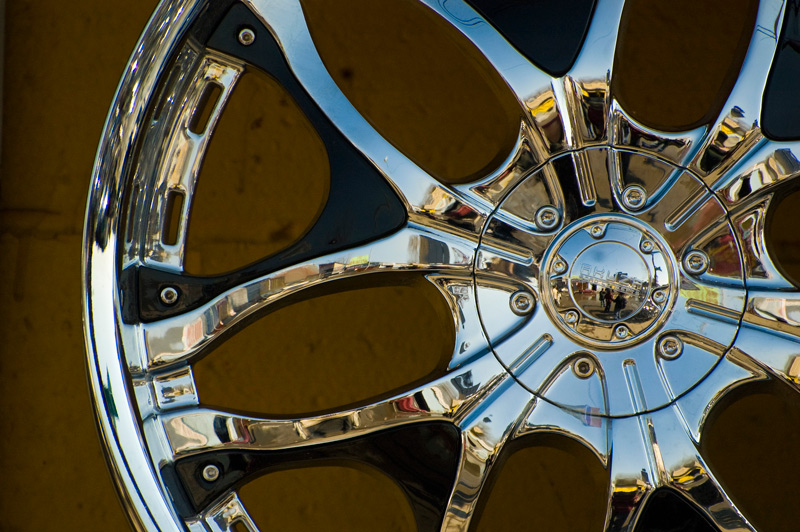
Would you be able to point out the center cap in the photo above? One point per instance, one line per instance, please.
(609, 268)
(610, 280)
(615, 297)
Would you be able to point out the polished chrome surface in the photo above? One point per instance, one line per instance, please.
(606, 282)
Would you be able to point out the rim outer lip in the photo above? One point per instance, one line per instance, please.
(143, 497)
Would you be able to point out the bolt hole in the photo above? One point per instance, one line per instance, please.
(205, 107)
(583, 367)
(172, 217)
(131, 212)
(239, 526)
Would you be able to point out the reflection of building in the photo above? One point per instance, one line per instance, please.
(595, 279)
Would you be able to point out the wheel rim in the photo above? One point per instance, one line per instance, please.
(600, 202)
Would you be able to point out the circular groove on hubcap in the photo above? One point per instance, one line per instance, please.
(614, 265)
(610, 283)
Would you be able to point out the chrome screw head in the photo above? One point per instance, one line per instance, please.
(695, 262)
(547, 217)
(210, 473)
(646, 246)
(247, 37)
(522, 303)
(597, 231)
(670, 347)
(559, 266)
(621, 332)
(169, 296)
(583, 367)
(659, 296)
(571, 317)
(634, 197)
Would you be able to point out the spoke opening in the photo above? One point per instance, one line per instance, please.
(358, 342)
(355, 499)
(666, 511)
(662, 49)
(548, 33)
(780, 112)
(420, 459)
(749, 441)
(428, 91)
(783, 241)
(559, 482)
(264, 181)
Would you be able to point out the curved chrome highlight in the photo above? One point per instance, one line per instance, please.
(143, 494)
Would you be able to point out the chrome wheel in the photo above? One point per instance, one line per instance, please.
(608, 282)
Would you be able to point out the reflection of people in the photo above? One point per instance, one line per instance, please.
(601, 295)
(619, 304)
(608, 299)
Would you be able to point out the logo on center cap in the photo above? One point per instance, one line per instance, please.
(609, 281)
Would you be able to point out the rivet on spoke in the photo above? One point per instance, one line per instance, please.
(583, 367)
(695, 262)
(571, 317)
(247, 36)
(522, 303)
(559, 266)
(659, 296)
(210, 473)
(646, 246)
(169, 296)
(670, 347)
(621, 332)
(547, 217)
(597, 231)
(634, 197)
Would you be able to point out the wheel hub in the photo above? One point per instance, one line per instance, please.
(628, 310)
(608, 281)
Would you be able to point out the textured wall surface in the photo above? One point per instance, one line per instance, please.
(261, 187)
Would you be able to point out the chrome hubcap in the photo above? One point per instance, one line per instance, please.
(612, 289)
(613, 266)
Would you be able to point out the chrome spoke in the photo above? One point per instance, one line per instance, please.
(754, 176)
(733, 370)
(416, 248)
(653, 450)
(677, 148)
(459, 292)
(634, 474)
(584, 93)
(534, 89)
(682, 468)
(484, 431)
(660, 450)
(749, 221)
(201, 430)
(519, 163)
(226, 515)
(737, 130)
(524, 79)
(420, 191)
(771, 331)
(586, 426)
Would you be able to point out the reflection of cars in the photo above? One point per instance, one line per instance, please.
(181, 465)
